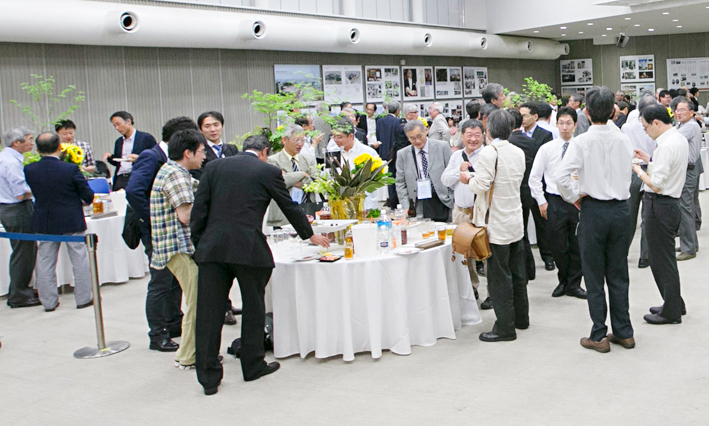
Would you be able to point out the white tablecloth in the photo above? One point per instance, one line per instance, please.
(116, 262)
(352, 306)
(703, 178)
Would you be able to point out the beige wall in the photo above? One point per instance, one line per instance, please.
(158, 84)
(606, 59)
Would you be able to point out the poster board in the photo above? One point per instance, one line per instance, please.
(417, 83)
(382, 82)
(688, 72)
(567, 91)
(634, 89)
(576, 71)
(287, 77)
(474, 81)
(449, 82)
(635, 69)
(343, 83)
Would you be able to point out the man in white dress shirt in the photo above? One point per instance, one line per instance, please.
(663, 181)
(343, 134)
(633, 128)
(603, 158)
(465, 160)
(562, 217)
(688, 127)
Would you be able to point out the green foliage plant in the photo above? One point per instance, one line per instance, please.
(40, 112)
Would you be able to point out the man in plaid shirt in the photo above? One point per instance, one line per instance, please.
(66, 130)
(171, 202)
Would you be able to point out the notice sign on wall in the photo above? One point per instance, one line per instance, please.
(418, 82)
(635, 69)
(688, 72)
(576, 71)
(343, 83)
(382, 82)
(449, 82)
(474, 81)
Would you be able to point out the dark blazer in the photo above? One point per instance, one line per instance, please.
(363, 124)
(529, 147)
(361, 135)
(229, 207)
(140, 184)
(622, 118)
(59, 189)
(228, 150)
(541, 136)
(400, 141)
(387, 129)
(142, 142)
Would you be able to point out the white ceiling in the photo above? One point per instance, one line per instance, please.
(664, 17)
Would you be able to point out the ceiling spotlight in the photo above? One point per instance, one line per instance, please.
(675, 20)
(679, 26)
(665, 13)
(563, 35)
(636, 25)
(609, 29)
(628, 19)
(590, 23)
(651, 29)
(580, 32)
(603, 35)
(536, 32)
(562, 28)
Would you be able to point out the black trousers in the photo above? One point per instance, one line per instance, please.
(164, 298)
(16, 218)
(562, 221)
(507, 285)
(393, 196)
(529, 205)
(662, 216)
(636, 195)
(120, 181)
(603, 241)
(215, 280)
(434, 209)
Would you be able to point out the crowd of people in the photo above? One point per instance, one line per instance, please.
(198, 203)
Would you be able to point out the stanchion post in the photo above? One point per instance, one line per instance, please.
(103, 349)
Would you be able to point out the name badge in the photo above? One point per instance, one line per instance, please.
(297, 194)
(423, 189)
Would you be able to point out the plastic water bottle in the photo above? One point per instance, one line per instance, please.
(383, 239)
(400, 213)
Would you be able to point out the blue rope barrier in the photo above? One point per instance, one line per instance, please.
(43, 237)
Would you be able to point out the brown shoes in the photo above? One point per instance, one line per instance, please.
(603, 346)
(628, 343)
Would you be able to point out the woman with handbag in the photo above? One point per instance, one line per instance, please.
(498, 207)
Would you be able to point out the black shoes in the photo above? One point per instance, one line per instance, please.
(32, 301)
(271, 367)
(577, 292)
(549, 265)
(643, 263)
(85, 305)
(229, 318)
(211, 391)
(236, 311)
(657, 309)
(487, 304)
(558, 291)
(165, 345)
(656, 319)
(491, 336)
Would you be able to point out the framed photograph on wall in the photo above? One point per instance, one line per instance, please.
(288, 77)
(567, 91)
(343, 83)
(639, 68)
(576, 71)
(474, 81)
(634, 89)
(418, 83)
(449, 82)
(382, 82)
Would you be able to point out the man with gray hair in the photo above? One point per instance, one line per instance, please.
(582, 124)
(633, 128)
(16, 211)
(411, 112)
(438, 128)
(419, 170)
(494, 94)
(298, 170)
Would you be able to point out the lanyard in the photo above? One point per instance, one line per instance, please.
(465, 158)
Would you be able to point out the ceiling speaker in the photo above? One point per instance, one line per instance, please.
(622, 40)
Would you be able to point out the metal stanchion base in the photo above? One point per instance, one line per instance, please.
(111, 348)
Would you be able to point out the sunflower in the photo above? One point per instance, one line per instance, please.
(362, 158)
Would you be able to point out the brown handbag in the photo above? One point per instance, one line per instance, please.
(472, 241)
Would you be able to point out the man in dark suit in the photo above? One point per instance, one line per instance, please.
(128, 146)
(162, 304)
(528, 145)
(530, 129)
(211, 124)
(60, 191)
(390, 131)
(226, 222)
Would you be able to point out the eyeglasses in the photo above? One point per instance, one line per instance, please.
(419, 137)
(681, 111)
(201, 151)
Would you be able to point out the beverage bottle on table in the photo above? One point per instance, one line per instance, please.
(325, 212)
(383, 239)
(400, 213)
(349, 245)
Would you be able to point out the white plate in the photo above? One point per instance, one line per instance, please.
(406, 251)
(307, 258)
(324, 226)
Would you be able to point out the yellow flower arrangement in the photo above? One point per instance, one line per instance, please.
(376, 162)
(72, 154)
(362, 158)
(423, 120)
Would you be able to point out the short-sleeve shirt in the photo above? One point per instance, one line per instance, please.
(89, 160)
(172, 188)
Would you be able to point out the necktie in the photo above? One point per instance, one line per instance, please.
(563, 150)
(219, 150)
(295, 165)
(424, 164)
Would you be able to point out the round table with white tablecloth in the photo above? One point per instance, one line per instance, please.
(367, 305)
(116, 262)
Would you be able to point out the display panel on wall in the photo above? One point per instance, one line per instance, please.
(474, 81)
(567, 91)
(451, 108)
(638, 68)
(342, 83)
(288, 77)
(634, 89)
(576, 71)
(382, 82)
(689, 72)
(448, 82)
(418, 82)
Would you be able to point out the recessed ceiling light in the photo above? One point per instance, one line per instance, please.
(603, 35)
(580, 32)
(563, 35)
(590, 23)
(675, 20)
(609, 29)
(651, 29)
(665, 13)
(679, 26)
(628, 19)
(562, 28)
(536, 32)
(637, 25)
